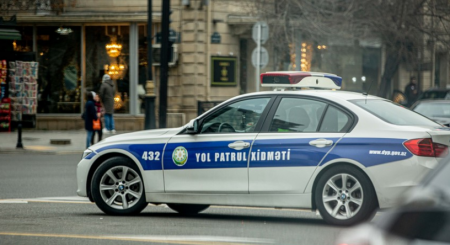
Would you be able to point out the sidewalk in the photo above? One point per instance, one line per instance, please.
(39, 141)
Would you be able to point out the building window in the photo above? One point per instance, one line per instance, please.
(107, 52)
(59, 70)
(26, 44)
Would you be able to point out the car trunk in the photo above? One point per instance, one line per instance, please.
(440, 135)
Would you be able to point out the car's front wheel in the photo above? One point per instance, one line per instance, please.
(345, 196)
(188, 209)
(117, 187)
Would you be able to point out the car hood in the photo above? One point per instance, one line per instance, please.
(145, 137)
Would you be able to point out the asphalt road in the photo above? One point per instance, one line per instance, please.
(38, 206)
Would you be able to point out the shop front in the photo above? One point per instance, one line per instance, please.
(73, 58)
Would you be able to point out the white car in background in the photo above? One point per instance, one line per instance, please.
(342, 153)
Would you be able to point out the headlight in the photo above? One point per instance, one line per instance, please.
(86, 153)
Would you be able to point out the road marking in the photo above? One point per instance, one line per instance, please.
(67, 199)
(38, 200)
(85, 200)
(160, 239)
(12, 201)
(43, 200)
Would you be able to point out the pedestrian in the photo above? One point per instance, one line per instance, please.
(89, 116)
(99, 110)
(107, 92)
(411, 91)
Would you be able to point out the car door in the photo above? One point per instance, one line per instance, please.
(216, 159)
(296, 136)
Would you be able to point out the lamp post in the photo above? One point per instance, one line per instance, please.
(165, 46)
(150, 121)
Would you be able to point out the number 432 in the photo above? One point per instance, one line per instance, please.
(151, 155)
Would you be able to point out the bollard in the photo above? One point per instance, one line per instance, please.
(19, 137)
(150, 122)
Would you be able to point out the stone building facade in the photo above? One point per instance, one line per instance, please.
(73, 63)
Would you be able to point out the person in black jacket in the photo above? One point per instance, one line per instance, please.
(90, 114)
(411, 91)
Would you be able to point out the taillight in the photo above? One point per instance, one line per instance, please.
(426, 148)
(440, 150)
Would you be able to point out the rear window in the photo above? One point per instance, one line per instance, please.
(394, 113)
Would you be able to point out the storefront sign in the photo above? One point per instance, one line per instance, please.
(224, 71)
(174, 37)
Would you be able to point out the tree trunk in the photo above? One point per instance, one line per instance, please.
(390, 68)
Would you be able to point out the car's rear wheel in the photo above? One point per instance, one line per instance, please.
(117, 187)
(188, 209)
(345, 196)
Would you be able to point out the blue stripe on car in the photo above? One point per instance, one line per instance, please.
(137, 150)
(210, 148)
(367, 151)
(90, 156)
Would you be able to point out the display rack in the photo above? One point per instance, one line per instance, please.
(5, 115)
(23, 88)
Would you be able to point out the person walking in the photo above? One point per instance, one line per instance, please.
(411, 91)
(99, 110)
(89, 115)
(107, 92)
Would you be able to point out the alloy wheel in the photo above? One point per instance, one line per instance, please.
(342, 196)
(121, 187)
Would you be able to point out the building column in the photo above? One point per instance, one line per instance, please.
(193, 59)
(83, 66)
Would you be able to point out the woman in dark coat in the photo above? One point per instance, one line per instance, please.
(99, 109)
(90, 114)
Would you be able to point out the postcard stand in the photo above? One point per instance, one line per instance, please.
(23, 89)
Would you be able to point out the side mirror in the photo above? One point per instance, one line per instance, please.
(192, 127)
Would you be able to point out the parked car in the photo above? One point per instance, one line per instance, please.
(435, 94)
(423, 218)
(437, 110)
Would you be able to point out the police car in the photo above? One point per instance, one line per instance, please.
(342, 153)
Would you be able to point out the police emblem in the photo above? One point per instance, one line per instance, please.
(180, 156)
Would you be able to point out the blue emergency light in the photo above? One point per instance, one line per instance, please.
(294, 79)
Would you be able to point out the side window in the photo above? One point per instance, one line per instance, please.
(239, 117)
(297, 115)
(334, 121)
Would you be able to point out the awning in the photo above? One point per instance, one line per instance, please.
(10, 34)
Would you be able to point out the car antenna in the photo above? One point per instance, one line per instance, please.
(368, 90)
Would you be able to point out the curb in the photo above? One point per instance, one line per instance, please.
(21, 151)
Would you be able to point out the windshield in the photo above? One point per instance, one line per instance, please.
(394, 113)
(433, 109)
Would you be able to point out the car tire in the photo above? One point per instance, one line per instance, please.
(347, 204)
(110, 188)
(187, 209)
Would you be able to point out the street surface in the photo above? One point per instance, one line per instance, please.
(38, 205)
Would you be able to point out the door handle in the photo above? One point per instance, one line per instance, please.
(320, 143)
(239, 145)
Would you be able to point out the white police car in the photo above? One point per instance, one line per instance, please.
(342, 153)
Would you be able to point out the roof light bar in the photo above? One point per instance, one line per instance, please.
(300, 80)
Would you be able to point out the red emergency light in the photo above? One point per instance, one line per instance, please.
(300, 79)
